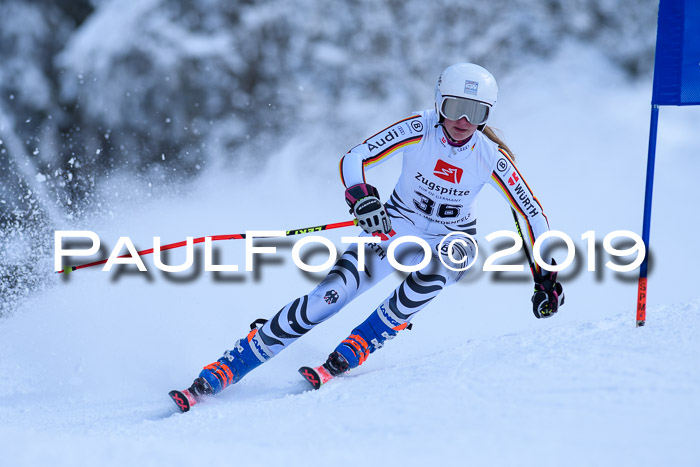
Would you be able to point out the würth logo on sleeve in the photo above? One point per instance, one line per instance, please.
(513, 178)
(447, 172)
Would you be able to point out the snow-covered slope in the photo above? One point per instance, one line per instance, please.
(86, 365)
(589, 393)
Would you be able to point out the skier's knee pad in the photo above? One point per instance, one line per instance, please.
(247, 354)
(327, 299)
(369, 336)
(453, 258)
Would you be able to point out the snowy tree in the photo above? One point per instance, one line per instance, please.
(159, 90)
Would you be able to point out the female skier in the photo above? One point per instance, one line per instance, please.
(448, 156)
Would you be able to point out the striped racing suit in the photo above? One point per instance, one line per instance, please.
(435, 196)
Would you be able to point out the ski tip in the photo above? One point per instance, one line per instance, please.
(183, 399)
(311, 375)
(317, 376)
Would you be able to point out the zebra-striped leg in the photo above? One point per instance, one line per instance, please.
(343, 283)
(392, 316)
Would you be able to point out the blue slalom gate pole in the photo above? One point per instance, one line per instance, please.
(651, 158)
(676, 82)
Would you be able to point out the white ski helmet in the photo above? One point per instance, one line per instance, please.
(465, 90)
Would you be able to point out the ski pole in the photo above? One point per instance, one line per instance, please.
(527, 252)
(171, 246)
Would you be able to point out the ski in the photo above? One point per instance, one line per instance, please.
(186, 398)
(316, 376)
(183, 399)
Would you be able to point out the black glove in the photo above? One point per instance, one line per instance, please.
(364, 203)
(548, 295)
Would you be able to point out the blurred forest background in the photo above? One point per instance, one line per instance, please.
(160, 91)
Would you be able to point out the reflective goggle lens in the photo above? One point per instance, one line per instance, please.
(454, 108)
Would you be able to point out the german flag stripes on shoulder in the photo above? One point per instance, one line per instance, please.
(381, 147)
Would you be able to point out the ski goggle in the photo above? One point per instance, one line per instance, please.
(454, 108)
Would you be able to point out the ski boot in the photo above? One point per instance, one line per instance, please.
(247, 354)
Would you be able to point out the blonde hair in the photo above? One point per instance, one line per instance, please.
(495, 135)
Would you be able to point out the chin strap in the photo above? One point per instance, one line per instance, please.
(444, 130)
